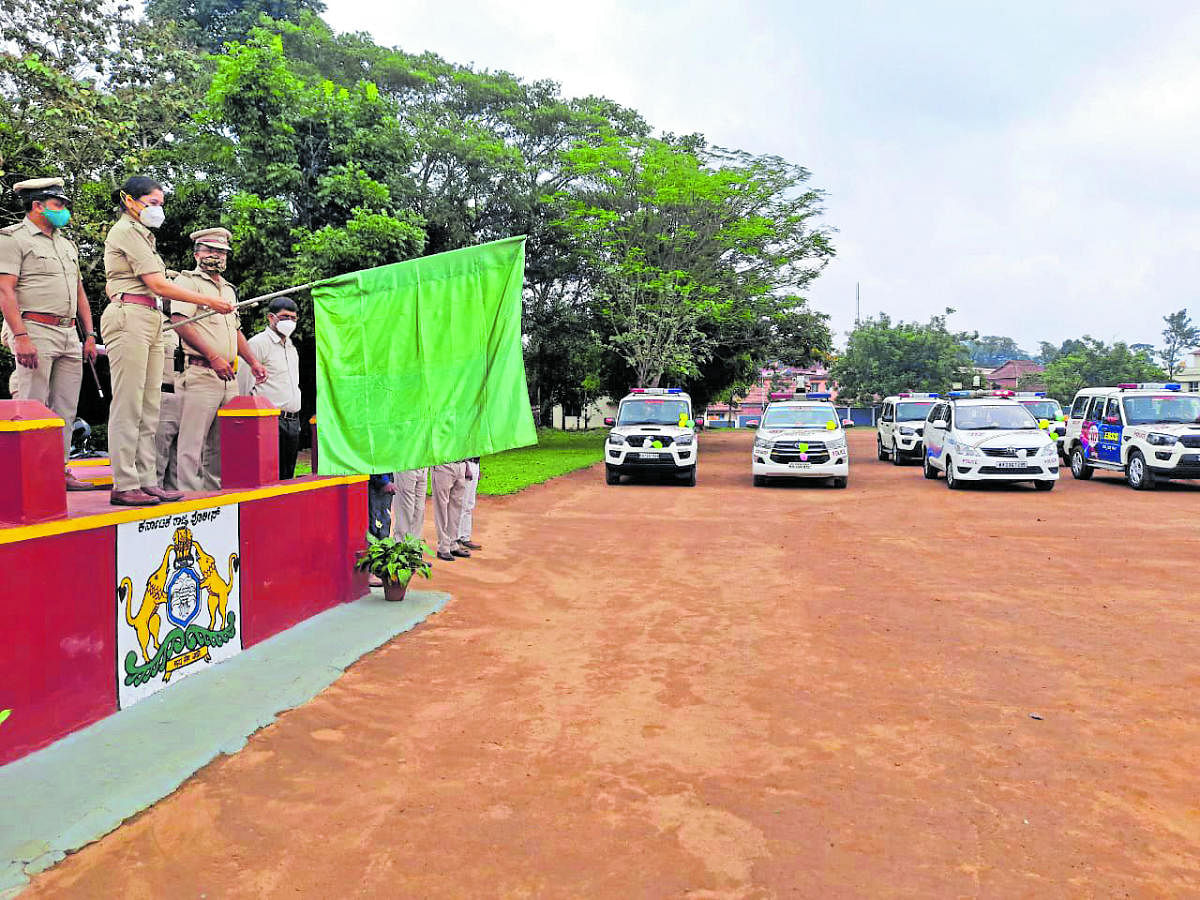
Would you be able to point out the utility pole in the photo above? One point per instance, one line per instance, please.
(857, 304)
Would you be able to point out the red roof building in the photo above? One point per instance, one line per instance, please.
(1008, 376)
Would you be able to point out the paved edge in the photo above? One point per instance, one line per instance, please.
(77, 790)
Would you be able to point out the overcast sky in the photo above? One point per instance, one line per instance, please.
(1033, 163)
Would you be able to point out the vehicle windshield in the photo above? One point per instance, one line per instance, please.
(986, 418)
(1172, 409)
(799, 416)
(912, 412)
(653, 411)
(1043, 409)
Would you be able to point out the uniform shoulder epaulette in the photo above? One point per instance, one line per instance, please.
(11, 229)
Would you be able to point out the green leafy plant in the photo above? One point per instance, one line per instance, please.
(394, 560)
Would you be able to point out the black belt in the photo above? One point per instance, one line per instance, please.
(288, 415)
(168, 388)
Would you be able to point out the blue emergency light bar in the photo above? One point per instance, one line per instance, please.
(656, 390)
(1031, 393)
(818, 395)
(960, 394)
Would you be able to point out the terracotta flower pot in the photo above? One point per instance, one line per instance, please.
(394, 590)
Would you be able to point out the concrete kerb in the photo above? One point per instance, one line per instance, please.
(51, 799)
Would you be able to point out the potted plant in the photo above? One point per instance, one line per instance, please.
(394, 562)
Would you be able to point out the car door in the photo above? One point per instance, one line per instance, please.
(1089, 435)
(1111, 427)
(887, 426)
(935, 432)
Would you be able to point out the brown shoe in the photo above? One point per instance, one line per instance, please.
(163, 494)
(74, 484)
(132, 498)
(470, 545)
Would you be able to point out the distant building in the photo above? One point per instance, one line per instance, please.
(772, 379)
(1189, 373)
(1009, 375)
(577, 418)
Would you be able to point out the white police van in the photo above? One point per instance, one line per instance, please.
(652, 433)
(901, 423)
(988, 436)
(800, 438)
(1048, 410)
(1148, 432)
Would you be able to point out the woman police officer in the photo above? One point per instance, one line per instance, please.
(132, 331)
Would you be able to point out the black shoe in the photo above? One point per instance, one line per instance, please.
(460, 551)
(446, 556)
(470, 545)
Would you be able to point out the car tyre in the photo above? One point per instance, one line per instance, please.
(689, 478)
(880, 453)
(897, 457)
(1080, 470)
(1137, 474)
(953, 482)
(760, 480)
(928, 470)
(1044, 485)
(840, 482)
(611, 475)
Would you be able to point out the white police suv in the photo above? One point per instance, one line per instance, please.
(1148, 432)
(1046, 409)
(901, 423)
(800, 438)
(652, 433)
(988, 436)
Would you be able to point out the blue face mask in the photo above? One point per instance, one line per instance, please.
(57, 217)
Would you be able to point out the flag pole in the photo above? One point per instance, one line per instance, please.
(212, 312)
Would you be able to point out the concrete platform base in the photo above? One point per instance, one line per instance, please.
(77, 790)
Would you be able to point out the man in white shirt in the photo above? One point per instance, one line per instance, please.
(274, 349)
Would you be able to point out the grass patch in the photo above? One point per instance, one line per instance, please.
(556, 453)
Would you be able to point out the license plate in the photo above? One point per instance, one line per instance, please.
(650, 455)
(799, 465)
(1010, 464)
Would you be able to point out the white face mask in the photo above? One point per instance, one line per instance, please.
(285, 327)
(152, 216)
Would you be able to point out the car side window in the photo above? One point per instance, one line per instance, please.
(1097, 411)
(935, 415)
(1080, 407)
(948, 416)
(1114, 409)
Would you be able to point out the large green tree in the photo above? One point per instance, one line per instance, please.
(1093, 363)
(885, 358)
(1179, 335)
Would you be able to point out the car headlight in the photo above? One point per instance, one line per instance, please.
(836, 443)
(762, 444)
(685, 440)
(616, 438)
(1050, 450)
(1161, 440)
(908, 431)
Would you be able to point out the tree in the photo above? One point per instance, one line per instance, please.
(213, 23)
(1093, 363)
(1179, 335)
(992, 350)
(883, 358)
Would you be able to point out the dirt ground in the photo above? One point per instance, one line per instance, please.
(653, 690)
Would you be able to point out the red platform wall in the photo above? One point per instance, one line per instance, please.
(58, 663)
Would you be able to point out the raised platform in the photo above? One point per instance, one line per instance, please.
(110, 605)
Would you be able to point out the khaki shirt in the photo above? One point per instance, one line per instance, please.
(46, 266)
(129, 253)
(219, 329)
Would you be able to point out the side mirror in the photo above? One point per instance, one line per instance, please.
(849, 423)
(752, 425)
(609, 421)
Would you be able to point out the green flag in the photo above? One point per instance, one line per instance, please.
(420, 362)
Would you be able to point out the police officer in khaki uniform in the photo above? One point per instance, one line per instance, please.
(166, 437)
(211, 347)
(42, 297)
(132, 329)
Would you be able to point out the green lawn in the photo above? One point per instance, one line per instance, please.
(556, 453)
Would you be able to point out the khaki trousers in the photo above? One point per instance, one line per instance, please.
(202, 393)
(470, 491)
(166, 443)
(408, 503)
(449, 484)
(133, 336)
(59, 373)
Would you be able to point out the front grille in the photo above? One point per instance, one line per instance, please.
(665, 461)
(1190, 440)
(1005, 452)
(645, 440)
(783, 456)
(813, 446)
(998, 470)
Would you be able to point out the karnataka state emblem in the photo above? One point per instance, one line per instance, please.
(184, 586)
